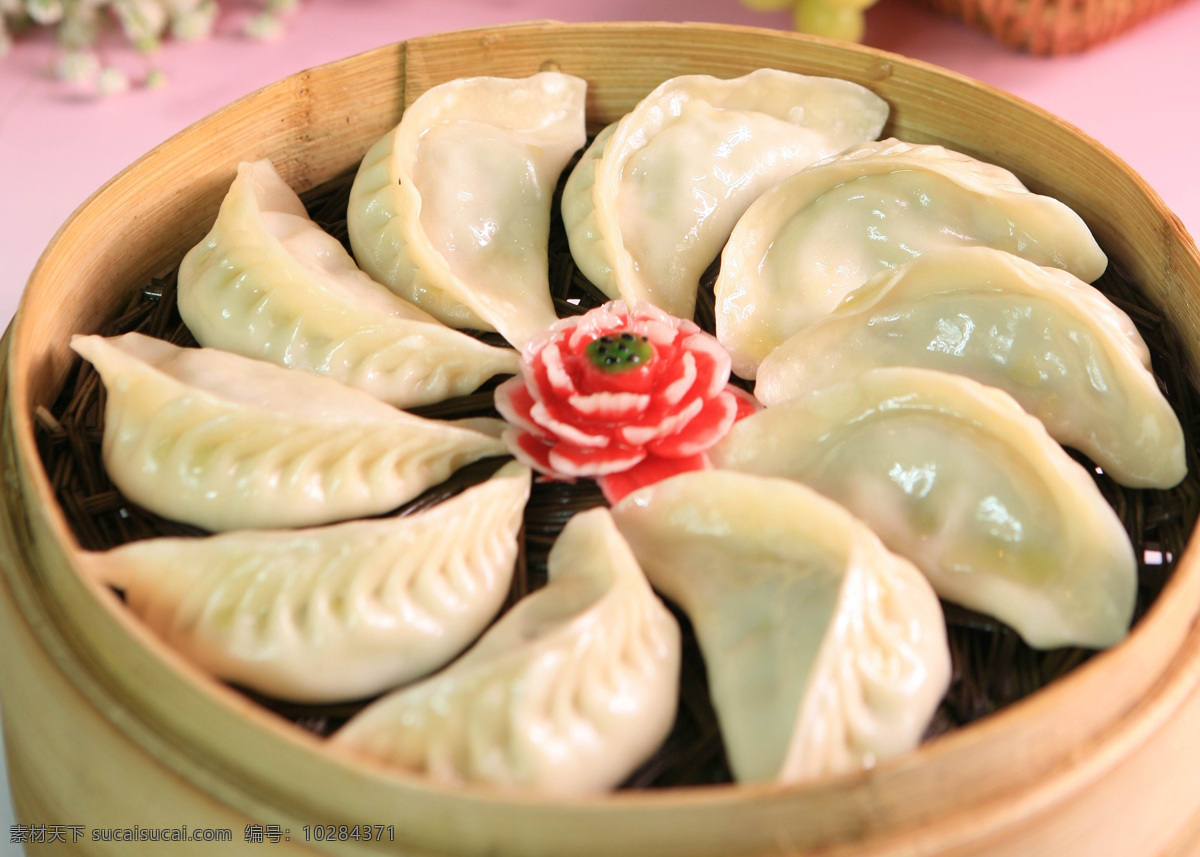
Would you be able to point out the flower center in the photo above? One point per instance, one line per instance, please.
(620, 352)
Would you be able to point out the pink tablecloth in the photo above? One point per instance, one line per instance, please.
(1137, 95)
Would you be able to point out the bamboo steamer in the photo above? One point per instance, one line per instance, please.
(106, 728)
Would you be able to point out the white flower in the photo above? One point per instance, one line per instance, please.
(78, 28)
(45, 11)
(79, 23)
(264, 27)
(112, 81)
(142, 20)
(196, 23)
(77, 66)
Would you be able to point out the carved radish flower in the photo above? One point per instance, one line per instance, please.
(624, 396)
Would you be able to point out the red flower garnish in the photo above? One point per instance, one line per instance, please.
(625, 397)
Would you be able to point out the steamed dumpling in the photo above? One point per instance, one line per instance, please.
(451, 209)
(331, 613)
(825, 652)
(656, 194)
(1070, 357)
(805, 244)
(568, 693)
(957, 478)
(225, 442)
(268, 283)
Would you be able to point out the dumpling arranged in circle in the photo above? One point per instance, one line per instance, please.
(657, 193)
(567, 693)
(825, 652)
(268, 283)
(812, 239)
(956, 477)
(451, 209)
(874, 289)
(225, 442)
(1064, 351)
(330, 613)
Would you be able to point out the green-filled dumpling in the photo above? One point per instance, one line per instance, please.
(956, 477)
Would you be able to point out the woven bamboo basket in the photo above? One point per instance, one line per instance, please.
(1051, 27)
(106, 728)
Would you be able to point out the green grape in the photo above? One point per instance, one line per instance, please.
(834, 22)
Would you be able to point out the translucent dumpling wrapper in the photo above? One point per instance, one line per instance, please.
(656, 195)
(956, 477)
(825, 652)
(451, 209)
(812, 239)
(331, 613)
(225, 442)
(267, 282)
(567, 693)
(1064, 351)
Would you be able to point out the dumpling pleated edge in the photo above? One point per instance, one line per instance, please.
(731, 549)
(739, 295)
(792, 439)
(332, 613)
(567, 693)
(1094, 390)
(191, 454)
(242, 290)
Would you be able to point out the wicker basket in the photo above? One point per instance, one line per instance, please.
(1051, 27)
(105, 727)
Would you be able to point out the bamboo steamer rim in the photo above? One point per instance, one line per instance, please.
(239, 753)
